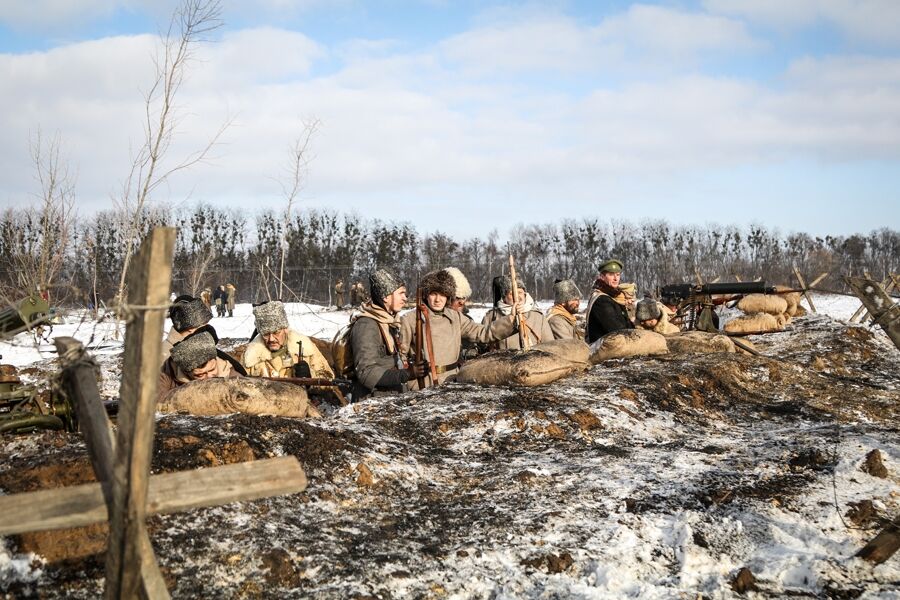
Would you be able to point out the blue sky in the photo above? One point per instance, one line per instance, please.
(451, 114)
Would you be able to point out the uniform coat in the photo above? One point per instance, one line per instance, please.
(374, 340)
(170, 376)
(538, 328)
(449, 328)
(562, 324)
(261, 362)
(605, 315)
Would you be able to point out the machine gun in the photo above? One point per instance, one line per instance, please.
(29, 313)
(696, 302)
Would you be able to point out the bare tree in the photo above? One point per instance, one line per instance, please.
(42, 257)
(191, 24)
(198, 267)
(297, 175)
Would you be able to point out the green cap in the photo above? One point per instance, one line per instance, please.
(611, 266)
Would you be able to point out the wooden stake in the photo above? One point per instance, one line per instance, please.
(805, 289)
(884, 311)
(818, 279)
(862, 307)
(148, 293)
(883, 545)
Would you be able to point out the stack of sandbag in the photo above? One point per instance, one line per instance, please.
(248, 395)
(794, 309)
(698, 342)
(542, 364)
(628, 342)
(764, 313)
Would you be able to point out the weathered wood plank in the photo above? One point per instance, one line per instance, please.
(884, 545)
(855, 317)
(882, 308)
(81, 385)
(818, 280)
(80, 505)
(148, 293)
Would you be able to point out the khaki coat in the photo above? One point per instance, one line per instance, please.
(448, 329)
(663, 325)
(538, 329)
(563, 325)
(170, 376)
(260, 362)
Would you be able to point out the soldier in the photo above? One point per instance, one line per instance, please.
(463, 291)
(628, 298)
(538, 328)
(448, 328)
(567, 298)
(339, 293)
(188, 314)
(604, 314)
(220, 297)
(230, 293)
(653, 315)
(206, 297)
(195, 358)
(277, 348)
(375, 340)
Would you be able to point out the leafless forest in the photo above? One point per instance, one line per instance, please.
(79, 259)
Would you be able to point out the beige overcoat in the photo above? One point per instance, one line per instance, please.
(260, 362)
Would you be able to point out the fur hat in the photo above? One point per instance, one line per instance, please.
(463, 289)
(565, 290)
(441, 282)
(383, 283)
(194, 351)
(188, 312)
(503, 285)
(647, 309)
(270, 317)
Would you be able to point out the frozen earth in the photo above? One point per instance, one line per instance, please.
(657, 477)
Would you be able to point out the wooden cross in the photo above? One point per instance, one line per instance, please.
(126, 493)
(805, 288)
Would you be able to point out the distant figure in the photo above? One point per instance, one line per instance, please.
(339, 293)
(567, 298)
(220, 297)
(230, 293)
(206, 297)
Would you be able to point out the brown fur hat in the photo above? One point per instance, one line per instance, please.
(441, 282)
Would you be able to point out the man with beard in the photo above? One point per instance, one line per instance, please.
(446, 327)
(604, 314)
(277, 348)
(561, 318)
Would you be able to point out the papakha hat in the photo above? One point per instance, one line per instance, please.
(565, 290)
(194, 351)
(270, 317)
(188, 312)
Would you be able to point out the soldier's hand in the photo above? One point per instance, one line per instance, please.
(418, 370)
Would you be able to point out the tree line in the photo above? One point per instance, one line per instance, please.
(220, 245)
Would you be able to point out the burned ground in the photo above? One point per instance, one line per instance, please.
(642, 477)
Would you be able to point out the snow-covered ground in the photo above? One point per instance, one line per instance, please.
(654, 477)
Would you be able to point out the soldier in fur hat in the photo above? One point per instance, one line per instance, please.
(277, 348)
(538, 328)
(375, 340)
(561, 318)
(604, 313)
(195, 358)
(187, 314)
(653, 315)
(446, 327)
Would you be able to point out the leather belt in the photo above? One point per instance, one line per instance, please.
(443, 369)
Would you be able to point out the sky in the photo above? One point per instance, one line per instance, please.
(464, 117)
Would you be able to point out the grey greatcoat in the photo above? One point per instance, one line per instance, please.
(374, 340)
(449, 328)
(538, 329)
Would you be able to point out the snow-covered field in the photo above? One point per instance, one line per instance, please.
(656, 477)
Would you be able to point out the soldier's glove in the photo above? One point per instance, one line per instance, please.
(418, 370)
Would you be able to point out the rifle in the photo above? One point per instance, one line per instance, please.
(521, 324)
(418, 353)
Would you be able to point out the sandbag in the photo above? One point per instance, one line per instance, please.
(762, 303)
(800, 310)
(755, 323)
(514, 367)
(574, 350)
(792, 299)
(248, 395)
(627, 342)
(699, 342)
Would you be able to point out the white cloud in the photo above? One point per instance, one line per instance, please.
(873, 21)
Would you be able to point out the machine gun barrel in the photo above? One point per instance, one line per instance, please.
(682, 291)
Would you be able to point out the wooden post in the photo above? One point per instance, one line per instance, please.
(879, 304)
(883, 545)
(818, 280)
(148, 295)
(862, 307)
(81, 386)
(805, 289)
